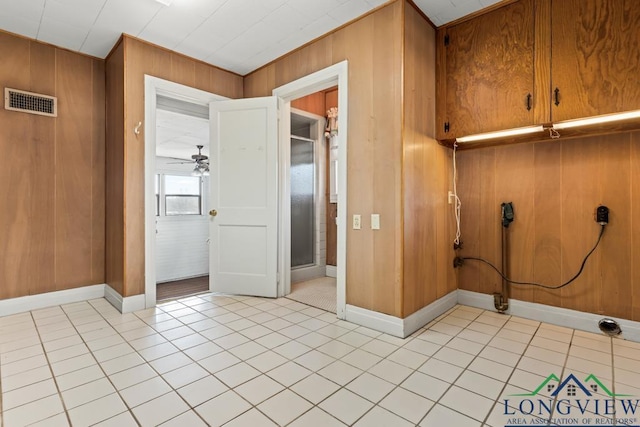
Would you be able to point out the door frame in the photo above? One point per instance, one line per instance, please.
(334, 75)
(154, 86)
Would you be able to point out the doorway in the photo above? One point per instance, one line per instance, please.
(335, 75)
(182, 182)
(176, 121)
(310, 198)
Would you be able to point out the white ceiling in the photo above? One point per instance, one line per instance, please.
(237, 35)
(177, 135)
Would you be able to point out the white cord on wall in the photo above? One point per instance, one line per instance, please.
(457, 202)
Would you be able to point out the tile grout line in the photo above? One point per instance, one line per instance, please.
(252, 406)
(107, 318)
(564, 368)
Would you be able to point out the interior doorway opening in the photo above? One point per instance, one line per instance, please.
(181, 184)
(313, 202)
(176, 123)
(294, 95)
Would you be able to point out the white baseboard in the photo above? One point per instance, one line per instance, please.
(114, 298)
(124, 305)
(332, 271)
(426, 314)
(475, 299)
(401, 327)
(374, 320)
(555, 315)
(49, 299)
(378, 321)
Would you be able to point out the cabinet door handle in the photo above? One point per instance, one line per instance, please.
(528, 102)
(556, 94)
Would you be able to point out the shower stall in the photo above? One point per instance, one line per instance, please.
(308, 200)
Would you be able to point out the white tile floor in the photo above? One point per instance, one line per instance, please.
(237, 361)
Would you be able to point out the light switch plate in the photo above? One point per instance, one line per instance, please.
(375, 221)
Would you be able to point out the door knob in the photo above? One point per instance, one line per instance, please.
(213, 212)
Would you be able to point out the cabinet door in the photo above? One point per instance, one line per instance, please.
(488, 72)
(595, 57)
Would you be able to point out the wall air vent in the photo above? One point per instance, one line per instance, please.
(28, 102)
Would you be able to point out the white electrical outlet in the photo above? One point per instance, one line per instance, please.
(375, 221)
(452, 197)
(357, 222)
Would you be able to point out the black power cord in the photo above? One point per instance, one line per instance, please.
(458, 262)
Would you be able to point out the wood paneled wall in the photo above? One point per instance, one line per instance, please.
(133, 59)
(555, 188)
(373, 47)
(313, 103)
(428, 220)
(115, 256)
(52, 176)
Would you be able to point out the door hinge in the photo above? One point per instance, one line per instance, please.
(446, 127)
(446, 39)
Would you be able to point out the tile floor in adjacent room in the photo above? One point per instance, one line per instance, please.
(238, 361)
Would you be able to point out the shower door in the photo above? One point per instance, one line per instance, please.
(302, 202)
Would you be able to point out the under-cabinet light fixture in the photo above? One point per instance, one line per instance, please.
(500, 134)
(597, 120)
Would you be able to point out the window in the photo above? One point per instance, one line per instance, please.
(182, 195)
(571, 390)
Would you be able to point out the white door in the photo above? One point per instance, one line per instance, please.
(244, 196)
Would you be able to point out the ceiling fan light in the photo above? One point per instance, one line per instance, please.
(196, 171)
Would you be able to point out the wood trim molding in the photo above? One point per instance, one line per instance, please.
(115, 47)
(127, 36)
(51, 45)
(421, 13)
(478, 13)
(330, 33)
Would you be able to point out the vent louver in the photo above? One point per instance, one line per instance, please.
(28, 102)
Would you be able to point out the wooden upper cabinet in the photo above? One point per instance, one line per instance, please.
(485, 71)
(595, 57)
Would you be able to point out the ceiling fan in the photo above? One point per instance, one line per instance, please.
(201, 163)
